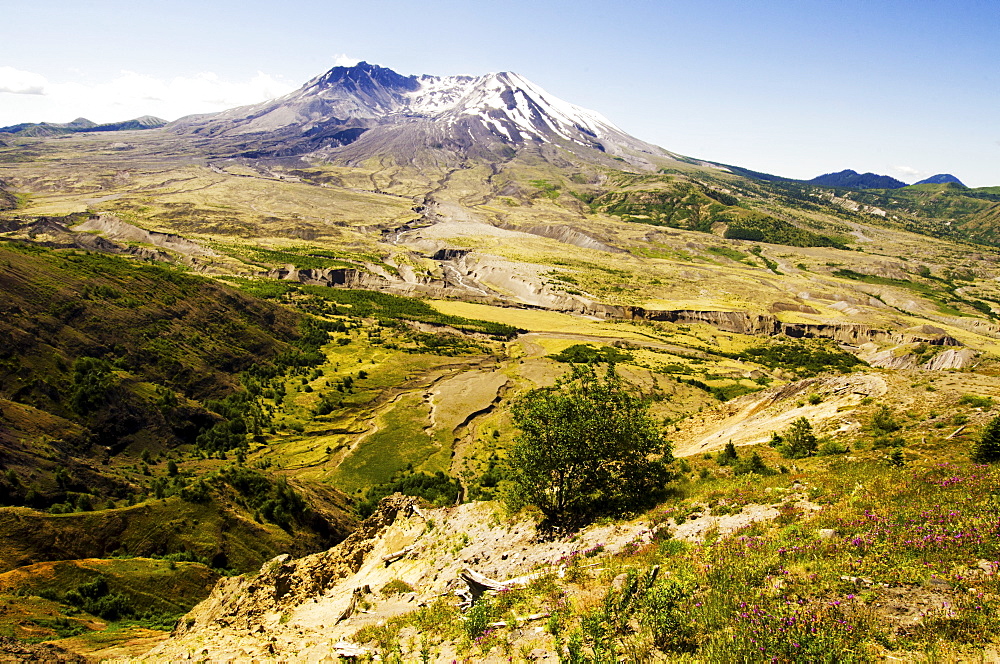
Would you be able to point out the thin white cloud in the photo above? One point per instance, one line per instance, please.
(130, 94)
(908, 172)
(18, 82)
(344, 60)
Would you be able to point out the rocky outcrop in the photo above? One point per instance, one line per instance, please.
(56, 232)
(778, 307)
(742, 322)
(450, 254)
(106, 234)
(336, 277)
(114, 228)
(951, 359)
(890, 359)
(900, 357)
(307, 609)
(242, 603)
(8, 201)
(752, 419)
(569, 235)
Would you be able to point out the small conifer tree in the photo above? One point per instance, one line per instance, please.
(728, 455)
(799, 440)
(987, 450)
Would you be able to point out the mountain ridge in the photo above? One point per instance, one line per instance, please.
(941, 178)
(849, 179)
(487, 115)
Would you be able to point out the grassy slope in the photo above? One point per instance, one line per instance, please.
(163, 325)
(215, 531)
(165, 332)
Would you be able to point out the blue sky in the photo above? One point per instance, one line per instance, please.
(797, 88)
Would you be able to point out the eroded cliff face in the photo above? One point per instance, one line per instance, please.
(466, 275)
(459, 274)
(742, 322)
(308, 609)
(900, 357)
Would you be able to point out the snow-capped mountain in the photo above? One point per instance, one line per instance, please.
(352, 113)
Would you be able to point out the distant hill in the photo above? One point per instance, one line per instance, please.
(80, 125)
(849, 179)
(941, 178)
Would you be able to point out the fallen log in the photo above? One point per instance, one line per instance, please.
(396, 555)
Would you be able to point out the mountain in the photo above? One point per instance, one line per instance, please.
(37, 129)
(143, 122)
(351, 113)
(941, 178)
(48, 128)
(849, 179)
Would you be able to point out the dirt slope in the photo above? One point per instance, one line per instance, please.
(751, 419)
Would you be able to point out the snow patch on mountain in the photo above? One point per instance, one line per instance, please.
(529, 110)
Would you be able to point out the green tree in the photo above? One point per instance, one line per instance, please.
(799, 440)
(585, 445)
(884, 422)
(987, 450)
(728, 455)
(93, 380)
(752, 464)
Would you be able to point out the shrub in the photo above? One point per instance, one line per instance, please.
(883, 421)
(728, 455)
(587, 354)
(832, 447)
(752, 464)
(805, 359)
(92, 381)
(799, 440)
(478, 618)
(396, 587)
(987, 449)
(665, 612)
(95, 598)
(438, 488)
(887, 441)
(976, 401)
